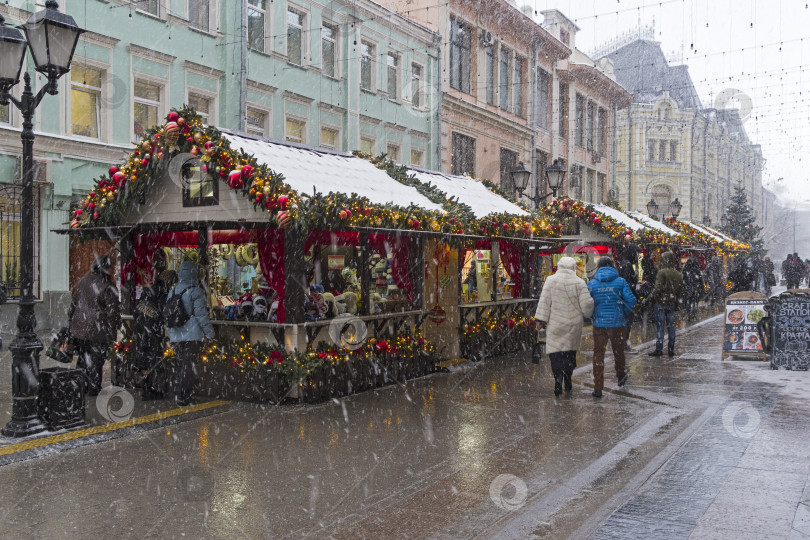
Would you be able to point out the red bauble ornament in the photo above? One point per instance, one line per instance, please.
(119, 179)
(78, 212)
(113, 170)
(172, 132)
(342, 214)
(208, 144)
(74, 224)
(95, 215)
(172, 117)
(144, 162)
(247, 170)
(235, 180)
(282, 201)
(181, 121)
(283, 219)
(348, 213)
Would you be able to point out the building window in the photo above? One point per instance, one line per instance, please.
(416, 157)
(392, 152)
(257, 12)
(565, 36)
(662, 150)
(503, 79)
(200, 188)
(600, 187)
(460, 55)
(563, 110)
(589, 126)
(146, 107)
(463, 157)
(202, 105)
(367, 146)
(329, 137)
(10, 219)
(85, 98)
(673, 150)
(543, 98)
(150, 6)
(393, 83)
(328, 49)
(508, 162)
(295, 130)
(256, 122)
(295, 26)
(579, 136)
(416, 85)
(198, 14)
(366, 66)
(662, 197)
(517, 84)
(490, 67)
(601, 131)
(650, 150)
(590, 187)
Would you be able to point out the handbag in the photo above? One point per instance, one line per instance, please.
(537, 352)
(61, 348)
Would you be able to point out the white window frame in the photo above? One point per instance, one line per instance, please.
(298, 120)
(417, 85)
(212, 99)
(335, 39)
(334, 129)
(397, 59)
(139, 6)
(372, 87)
(504, 79)
(268, 28)
(266, 127)
(213, 16)
(102, 91)
(303, 29)
(373, 142)
(160, 103)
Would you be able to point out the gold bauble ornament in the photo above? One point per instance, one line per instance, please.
(110, 196)
(197, 137)
(267, 190)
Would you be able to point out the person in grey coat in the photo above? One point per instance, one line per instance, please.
(187, 340)
(95, 316)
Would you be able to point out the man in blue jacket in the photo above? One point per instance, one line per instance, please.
(612, 299)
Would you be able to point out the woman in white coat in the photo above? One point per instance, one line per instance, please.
(564, 303)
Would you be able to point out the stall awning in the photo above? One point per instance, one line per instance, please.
(308, 169)
(619, 217)
(648, 222)
(469, 191)
(708, 232)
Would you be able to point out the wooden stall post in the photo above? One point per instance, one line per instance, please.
(445, 335)
(294, 288)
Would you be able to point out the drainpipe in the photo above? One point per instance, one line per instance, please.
(243, 69)
(614, 152)
(533, 124)
(705, 166)
(439, 99)
(630, 158)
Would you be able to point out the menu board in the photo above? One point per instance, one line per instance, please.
(740, 335)
(791, 332)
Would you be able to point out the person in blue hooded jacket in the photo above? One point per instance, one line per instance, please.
(612, 298)
(187, 340)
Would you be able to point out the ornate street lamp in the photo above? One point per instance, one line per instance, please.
(724, 221)
(555, 175)
(675, 208)
(707, 220)
(52, 38)
(652, 208)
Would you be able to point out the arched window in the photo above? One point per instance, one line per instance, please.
(665, 112)
(662, 196)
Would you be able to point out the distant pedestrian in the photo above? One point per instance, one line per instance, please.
(148, 333)
(795, 271)
(612, 300)
(627, 270)
(692, 286)
(564, 304)
(666, 295)
(770, 278)
(95, 316)
(717, 281)
(188, 339)
(648, 274)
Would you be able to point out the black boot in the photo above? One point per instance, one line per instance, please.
(558, 378)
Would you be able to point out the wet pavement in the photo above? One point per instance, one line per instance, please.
(692, 447)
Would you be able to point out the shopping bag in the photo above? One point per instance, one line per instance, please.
(61, 347)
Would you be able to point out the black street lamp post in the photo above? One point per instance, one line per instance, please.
(652, 208)
(555, 175)
(52, 38)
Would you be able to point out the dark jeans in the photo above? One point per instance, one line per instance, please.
(664, 314)
(184, 377)
(600, 339)
(92, 356)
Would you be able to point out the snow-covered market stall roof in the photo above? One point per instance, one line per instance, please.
(701, 235)
(481, 200)
(647, 221)
(243, 178)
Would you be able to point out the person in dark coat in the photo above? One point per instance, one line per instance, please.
(717, 282)
(148, 333)
(95, 316)
(692, 286)
(741, 276)
(188, 340)
(627, 271)
(666, 296)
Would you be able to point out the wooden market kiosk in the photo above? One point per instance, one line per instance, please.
(383, 245)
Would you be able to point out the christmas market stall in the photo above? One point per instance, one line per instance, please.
(318, 264)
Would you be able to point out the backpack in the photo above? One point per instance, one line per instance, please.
(174, 312)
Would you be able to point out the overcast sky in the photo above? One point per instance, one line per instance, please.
(758, 47)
